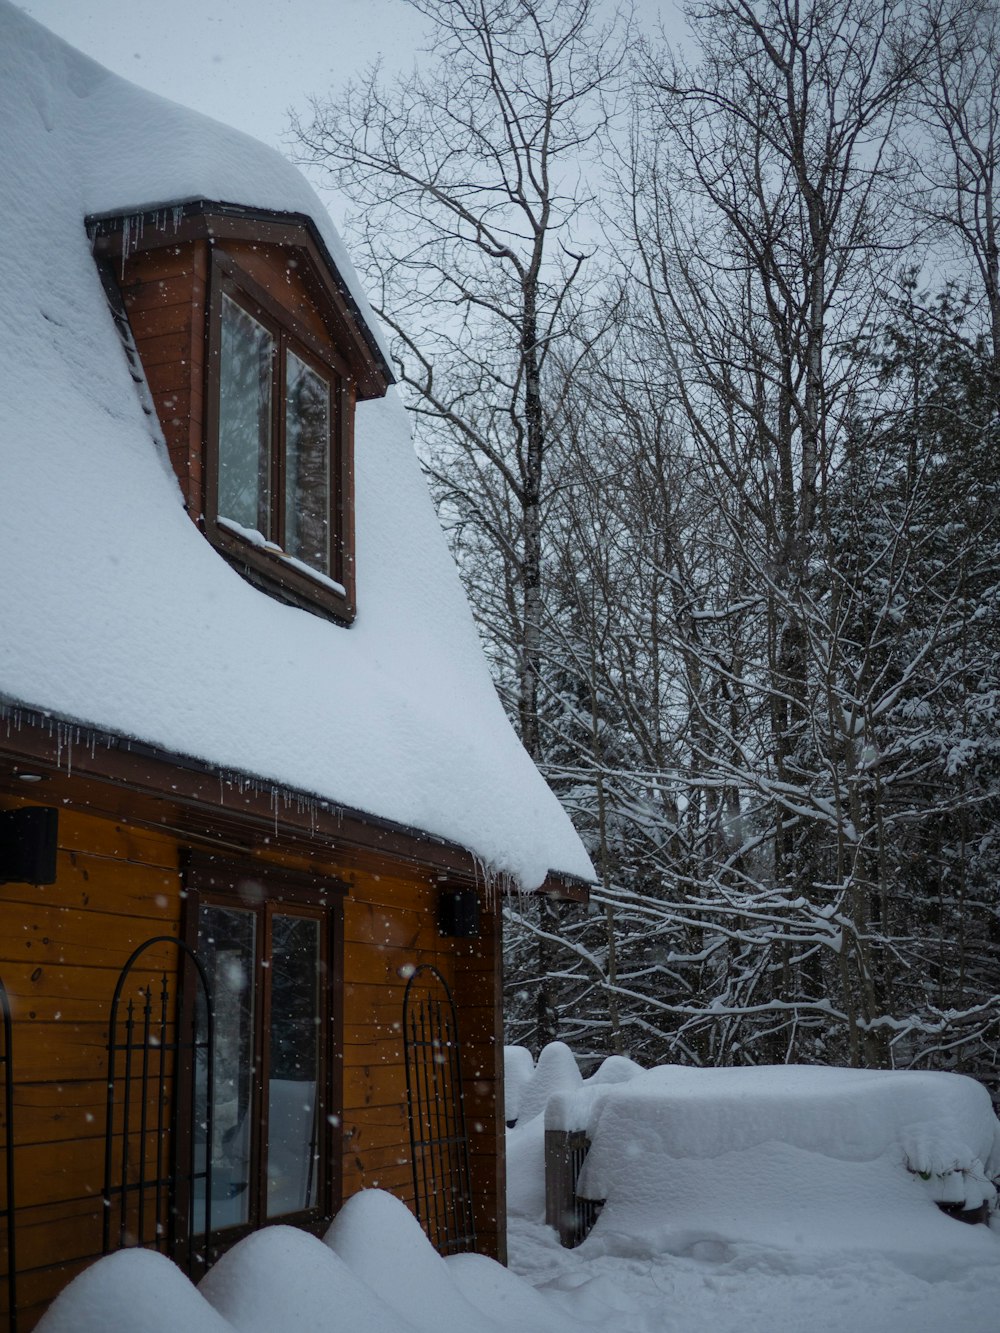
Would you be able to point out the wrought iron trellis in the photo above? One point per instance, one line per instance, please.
(159, 1127)
(568, 1212)
(439, 1141)
(7, 1198)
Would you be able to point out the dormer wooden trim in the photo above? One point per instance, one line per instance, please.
(121, 235)
(166, 271)
(272, 572)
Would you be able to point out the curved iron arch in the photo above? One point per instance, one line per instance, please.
(439, 1140)
(150, 1208)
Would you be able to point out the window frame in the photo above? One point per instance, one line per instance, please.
(271, 570)
(268, 890)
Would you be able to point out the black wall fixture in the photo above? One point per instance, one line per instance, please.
(458, 913)
(28, 841)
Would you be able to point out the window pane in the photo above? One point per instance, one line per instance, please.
(245, 419)
(226, 945)
(293, 1107)
(307, 465)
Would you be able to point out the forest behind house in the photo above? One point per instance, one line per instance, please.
(703, 354)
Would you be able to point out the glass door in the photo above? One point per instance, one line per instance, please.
(293, 1084)
(266, 967)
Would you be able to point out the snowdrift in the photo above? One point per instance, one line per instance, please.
(701, 1160)
(375, 1272)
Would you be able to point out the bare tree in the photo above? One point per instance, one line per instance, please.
(957, 155)
(764, 217)
(727, 521)
(468, 177)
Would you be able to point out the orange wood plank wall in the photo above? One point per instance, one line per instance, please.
(61, 948)
(165, 293)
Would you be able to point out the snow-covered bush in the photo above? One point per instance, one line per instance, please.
(540, 1090)
(556, 1071)
(518, 1067)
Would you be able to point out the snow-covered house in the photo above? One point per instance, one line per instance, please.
(243, 704)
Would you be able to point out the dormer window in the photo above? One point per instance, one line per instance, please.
(295, 518)
(254, 355)
(276, 479)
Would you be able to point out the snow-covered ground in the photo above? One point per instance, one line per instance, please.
(708, 1287)
(738, 1201)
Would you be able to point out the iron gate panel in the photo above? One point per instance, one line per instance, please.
(569, 1213)
(158, 1132)
(439, 1142)
(7, 1197)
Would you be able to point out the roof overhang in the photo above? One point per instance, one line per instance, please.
(54, 760)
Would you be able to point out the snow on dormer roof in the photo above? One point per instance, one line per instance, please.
(116, 613)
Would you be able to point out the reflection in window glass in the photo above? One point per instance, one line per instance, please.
(293, 1110)
(247, 351)
(307, 465)
(226, 944)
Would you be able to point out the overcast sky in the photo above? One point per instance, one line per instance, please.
(246, 61)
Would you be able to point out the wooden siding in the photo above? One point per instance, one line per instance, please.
(227, 226)
(61, 947)
(280, 272)
(390, 927)
(165, 293)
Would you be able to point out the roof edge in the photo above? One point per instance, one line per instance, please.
(67, 746)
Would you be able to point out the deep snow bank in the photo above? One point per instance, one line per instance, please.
(936, 1126)
(702, 1160)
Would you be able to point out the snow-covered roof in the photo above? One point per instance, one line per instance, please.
(116, 612)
